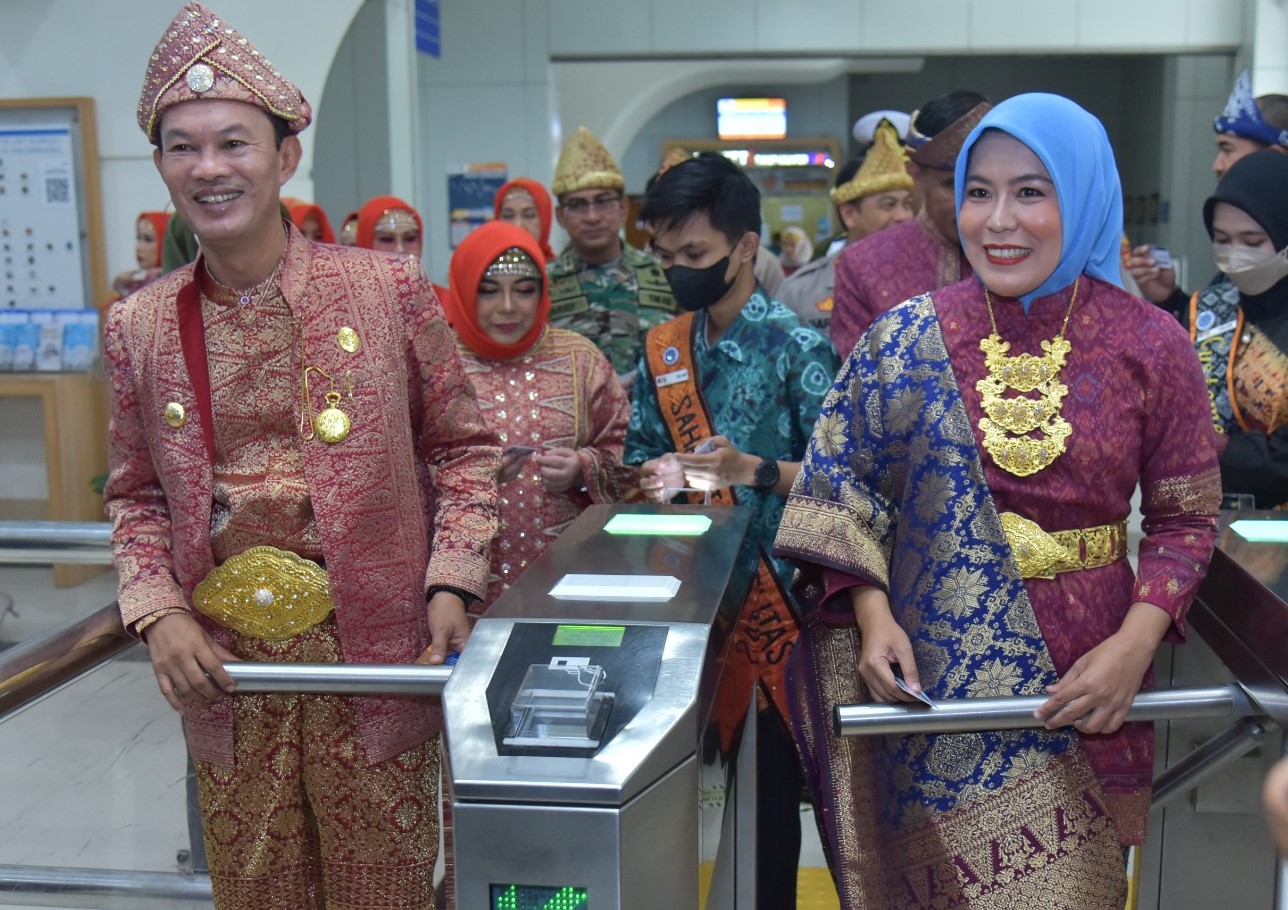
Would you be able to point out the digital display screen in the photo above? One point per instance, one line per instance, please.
(539, 897)
(659, 525)
(751, 118)
(589, 636)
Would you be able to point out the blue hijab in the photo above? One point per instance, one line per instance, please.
(1074, 148)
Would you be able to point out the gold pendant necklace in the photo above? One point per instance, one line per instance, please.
(1010, 420)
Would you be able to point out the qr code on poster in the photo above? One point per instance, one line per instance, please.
(58, 191)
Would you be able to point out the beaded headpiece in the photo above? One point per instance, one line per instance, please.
(513, 261)
(202, 57)
(395, 220)
(1242, 116)
(585, 164)
(939, 152)
(349, 230)
(883, 169)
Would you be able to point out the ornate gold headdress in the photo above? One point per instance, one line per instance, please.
(584, 164)
(885, 168)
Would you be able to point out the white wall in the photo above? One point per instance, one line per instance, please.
(99, 49)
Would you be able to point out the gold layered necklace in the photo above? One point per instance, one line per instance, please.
(1010, 420)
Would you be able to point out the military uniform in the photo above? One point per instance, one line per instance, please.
(614, 304)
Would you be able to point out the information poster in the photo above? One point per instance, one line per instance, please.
(41, 259)
(470, 191)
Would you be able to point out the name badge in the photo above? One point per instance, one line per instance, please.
(1216, 330)
(672, 378)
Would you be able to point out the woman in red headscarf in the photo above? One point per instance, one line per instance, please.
(550, 394)
(148, 231)
(389, 225)
(310, 219)
(524, 202)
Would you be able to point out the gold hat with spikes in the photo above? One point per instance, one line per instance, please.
(202, 57)
(885, 168)
(584, 164)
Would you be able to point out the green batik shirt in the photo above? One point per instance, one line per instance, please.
(614, 304)
(764, 381)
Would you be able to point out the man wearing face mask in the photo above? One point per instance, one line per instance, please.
(1240, 326)
(725, 403)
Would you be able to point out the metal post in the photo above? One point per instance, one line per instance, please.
(340, 679)
(1016, 712)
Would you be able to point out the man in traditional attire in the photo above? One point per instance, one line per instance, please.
(739, 380)
(876, 196)
(1247, 124)
(278, 410)
(602, 287)
(922, 253)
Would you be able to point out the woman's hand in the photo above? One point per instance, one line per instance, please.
(560, 470)
(1155, 284)
(884, 645)
(1096, 693)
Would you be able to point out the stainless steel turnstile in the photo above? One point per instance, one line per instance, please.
(585, 769)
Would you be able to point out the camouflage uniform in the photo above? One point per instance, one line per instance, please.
(614, 304)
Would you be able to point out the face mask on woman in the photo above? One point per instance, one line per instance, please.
(1251, 270)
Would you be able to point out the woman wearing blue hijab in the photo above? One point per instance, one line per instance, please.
(960, 522)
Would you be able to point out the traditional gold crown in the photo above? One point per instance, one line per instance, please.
(885, 168)
(394, 220)
(584, 164)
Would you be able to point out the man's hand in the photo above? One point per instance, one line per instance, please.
(722, 467)
(448, 627)
(1155, 284)
(188, 663)
(560, 470)
(661, 474)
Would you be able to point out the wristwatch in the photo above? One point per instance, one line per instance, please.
(766, 475)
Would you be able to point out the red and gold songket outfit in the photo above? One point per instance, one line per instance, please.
(307, 801)
(561, 393)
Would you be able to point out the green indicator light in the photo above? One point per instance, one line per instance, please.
(539, 897)
(1261, 530)
(589, 636)
(659, 525)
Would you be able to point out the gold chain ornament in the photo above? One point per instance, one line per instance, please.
(1009, 420)
(331, 424)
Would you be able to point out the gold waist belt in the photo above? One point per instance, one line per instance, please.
(1042, 554)
(265, 593)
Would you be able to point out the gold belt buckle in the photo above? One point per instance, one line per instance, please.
(1041, 554)
(265, 593)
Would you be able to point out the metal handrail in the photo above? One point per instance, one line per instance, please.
(56, 541)
(966, 715)
(55, 657)
(54, 886)
(340, 679)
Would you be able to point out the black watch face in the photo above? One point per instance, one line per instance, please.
(766, 474)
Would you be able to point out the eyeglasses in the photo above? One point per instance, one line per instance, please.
(580, 208)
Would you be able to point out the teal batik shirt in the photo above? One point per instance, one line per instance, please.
(764, 382)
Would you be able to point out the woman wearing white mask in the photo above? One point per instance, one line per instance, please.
(1240, 326)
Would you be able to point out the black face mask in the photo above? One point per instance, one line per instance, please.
(697, 289)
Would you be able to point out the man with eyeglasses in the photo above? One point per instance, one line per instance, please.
(601, 287)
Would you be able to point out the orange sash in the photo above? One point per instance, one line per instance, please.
(767, 628)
